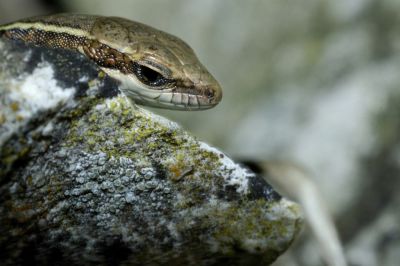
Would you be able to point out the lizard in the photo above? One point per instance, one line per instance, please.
(152, 67)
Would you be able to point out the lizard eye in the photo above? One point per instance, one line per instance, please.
(149, 76)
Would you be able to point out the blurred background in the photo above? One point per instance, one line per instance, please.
(312, 81)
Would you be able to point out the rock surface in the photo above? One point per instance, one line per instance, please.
(86, 178)
(318, 83)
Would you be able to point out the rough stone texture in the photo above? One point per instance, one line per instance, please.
(312, 81)
(86, 178)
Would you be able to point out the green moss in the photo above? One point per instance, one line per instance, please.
(135, 134)
(138, 135)
(12, 152)
(127, 124)
(235, 224)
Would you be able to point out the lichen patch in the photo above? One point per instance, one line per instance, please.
(237, 177)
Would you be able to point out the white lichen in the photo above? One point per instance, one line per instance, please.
(27, 95)
(38, 91)
(233, 173)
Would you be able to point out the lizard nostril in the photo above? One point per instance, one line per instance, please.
(209, 93)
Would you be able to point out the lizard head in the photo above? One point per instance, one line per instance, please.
(154, 67)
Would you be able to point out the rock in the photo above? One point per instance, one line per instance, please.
(86, 178)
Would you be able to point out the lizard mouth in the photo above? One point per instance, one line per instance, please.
(199, 97)
(171, 100)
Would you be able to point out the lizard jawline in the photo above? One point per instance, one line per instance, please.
(161, 98)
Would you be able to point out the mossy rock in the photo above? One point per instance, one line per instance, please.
(88, 178)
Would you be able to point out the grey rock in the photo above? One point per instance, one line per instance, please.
(111, 184)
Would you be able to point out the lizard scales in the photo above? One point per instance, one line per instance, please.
(153, 68)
